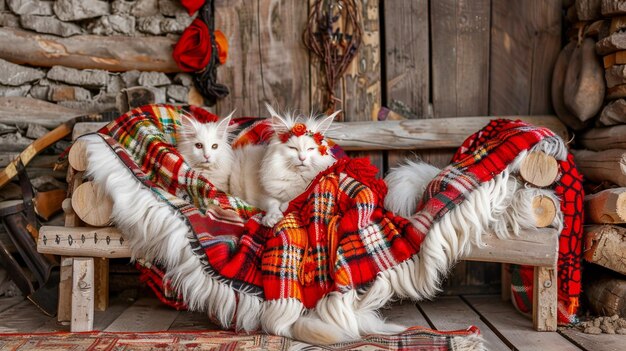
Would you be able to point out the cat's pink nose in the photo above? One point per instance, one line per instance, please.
(302, 157)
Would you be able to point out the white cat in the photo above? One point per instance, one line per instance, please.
(206, 147)
(270, 176)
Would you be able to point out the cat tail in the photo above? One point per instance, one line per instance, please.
(406, 184)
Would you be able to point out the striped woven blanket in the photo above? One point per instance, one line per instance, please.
(336, 249)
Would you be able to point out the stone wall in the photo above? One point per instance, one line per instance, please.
(92, 90)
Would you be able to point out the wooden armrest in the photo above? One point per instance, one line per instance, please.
(82, 241)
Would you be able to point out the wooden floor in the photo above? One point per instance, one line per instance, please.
(502, 327)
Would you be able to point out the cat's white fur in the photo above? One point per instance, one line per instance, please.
(206, 147)
(270, 176)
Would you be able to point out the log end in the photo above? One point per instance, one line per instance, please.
(539, 169)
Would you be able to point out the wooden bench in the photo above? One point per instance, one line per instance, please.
(85, 250)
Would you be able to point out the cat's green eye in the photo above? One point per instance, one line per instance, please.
(199, 146)
(214, 146)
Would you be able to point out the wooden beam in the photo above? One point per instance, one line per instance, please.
(111, 53)
(605, 245)
(544, 299)
(83, 241)
(22, 111)
(537, 247)
(616, 58)
(606, 207)
(64, 310)
(82, 294)
(423, 134)
(608, 165)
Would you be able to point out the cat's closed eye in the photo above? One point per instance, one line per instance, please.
(293, 148)
(311, 149)
(199, 146)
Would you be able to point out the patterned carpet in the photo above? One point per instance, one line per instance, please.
(413, 339)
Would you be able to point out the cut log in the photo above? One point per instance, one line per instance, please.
(606, 207)
(539, 169)
(23, 110)
(612, 43)
(611, 8)
(78, 155)
(598, 139)
(607, 296)
(584, 87)
(613, 113)
(544, 211)
(130, 98)
(558, 80)
(83, 241)
(616, 92)
(600, 166)
(617, 24)
(615, 75)
(588, 10)
(605, 245)
(598, 29)
(48, 203)
(112, 53)
(616, 58)
(91, 205)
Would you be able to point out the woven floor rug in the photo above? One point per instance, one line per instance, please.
(415, 338)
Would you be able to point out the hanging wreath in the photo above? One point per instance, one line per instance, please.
(333, 34)
(201, 49)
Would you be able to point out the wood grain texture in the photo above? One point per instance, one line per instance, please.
(268, 62)
(606, 246)
(78, 155)
(64, 309)
(515, 328)
(532, 247)
(452, 313)
(544, 211)
(83, 241)
(598, 139)
(545, 299)
(607, 296)
(422, 133)
(602, 342)
(101, 283)
(24, 110)
(600, 166)
(606, 207)
(112, 53)
(146, 314)
(460, 66)
(539, 169)
(82, 294)
(525, 42)
(92, 205)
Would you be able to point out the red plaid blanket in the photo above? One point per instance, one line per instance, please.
(334, 237)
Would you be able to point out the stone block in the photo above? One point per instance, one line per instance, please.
(131, 78)
(6, 91)
(74, 10)
(92, 78)
(178, 93)
(50, 25)
(113, 24)
(122, 7)
(171, 8)
(60, 92)
(15, 75)
(153, 79)
(145, 8)
(31, 7)
(115, 84)
(183, 79)
(8, 19)
(39, 92)
(173, 25)
(150, 25)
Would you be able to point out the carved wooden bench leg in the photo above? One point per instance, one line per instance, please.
(64, 313)
(82, 294)
(545, 299)
(505, 279)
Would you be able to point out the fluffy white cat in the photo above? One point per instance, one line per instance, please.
(270, 176)
(206, 147)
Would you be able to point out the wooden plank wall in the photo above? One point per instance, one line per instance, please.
(421, 58)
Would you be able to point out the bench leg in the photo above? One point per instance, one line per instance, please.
(82, 294)
(64, 313)
(101, 267)
(505, 282)
(545, 299)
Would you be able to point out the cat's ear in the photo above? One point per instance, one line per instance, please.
(325, 123)
(188, 123)
(278, 123)
(224, 126)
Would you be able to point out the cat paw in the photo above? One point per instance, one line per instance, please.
(284, 206)
(271, 218)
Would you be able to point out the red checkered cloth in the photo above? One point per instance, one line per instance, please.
(568, 188)
(334, 237)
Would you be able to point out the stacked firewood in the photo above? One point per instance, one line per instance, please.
(589, 95)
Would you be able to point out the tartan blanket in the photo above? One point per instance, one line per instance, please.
(335, 238)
